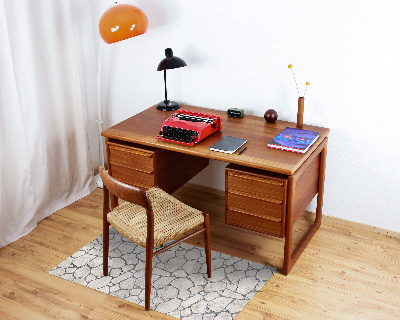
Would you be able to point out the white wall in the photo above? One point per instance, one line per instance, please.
(237, 54)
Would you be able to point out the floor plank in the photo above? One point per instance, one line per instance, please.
(346, 272)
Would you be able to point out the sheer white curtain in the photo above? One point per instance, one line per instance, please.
(45, 159)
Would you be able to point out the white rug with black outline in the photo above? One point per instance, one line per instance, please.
(180, 286)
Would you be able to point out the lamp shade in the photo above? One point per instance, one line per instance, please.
(122, 21)
(170, 61)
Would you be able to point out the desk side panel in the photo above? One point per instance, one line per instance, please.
(306, 182)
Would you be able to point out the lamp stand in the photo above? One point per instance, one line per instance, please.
(167, 105)
(99, 119)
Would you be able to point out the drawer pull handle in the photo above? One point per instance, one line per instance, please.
(276, 183)
(140, 153)
(253, 197)
(256, 215)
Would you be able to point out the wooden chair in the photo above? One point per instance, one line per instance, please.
(149, 218)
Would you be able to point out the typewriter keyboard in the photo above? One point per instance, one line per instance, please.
(178, 134)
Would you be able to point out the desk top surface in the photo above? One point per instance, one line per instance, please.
(144, 126)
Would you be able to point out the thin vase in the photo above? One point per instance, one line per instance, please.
(300, 112)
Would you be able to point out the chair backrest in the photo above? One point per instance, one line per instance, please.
(124, 191)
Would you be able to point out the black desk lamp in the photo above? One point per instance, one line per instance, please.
(169, 62)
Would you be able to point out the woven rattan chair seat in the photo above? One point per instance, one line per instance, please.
(171, 218)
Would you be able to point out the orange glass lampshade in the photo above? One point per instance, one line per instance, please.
(122, 21)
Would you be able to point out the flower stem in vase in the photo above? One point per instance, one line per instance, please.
(300, 112)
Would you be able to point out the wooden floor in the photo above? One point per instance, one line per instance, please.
(344, 273)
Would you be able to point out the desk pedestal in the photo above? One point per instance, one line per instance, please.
(271, 203)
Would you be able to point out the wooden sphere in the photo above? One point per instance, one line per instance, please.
(270, 115)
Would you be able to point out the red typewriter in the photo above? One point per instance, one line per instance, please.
(189, 127)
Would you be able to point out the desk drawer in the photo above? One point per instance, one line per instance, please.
(262, 186)
(130, 157)
(255, 199)
(133, 177)
(252, 221)
(268, 208)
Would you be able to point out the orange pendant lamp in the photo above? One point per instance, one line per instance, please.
(122, 21)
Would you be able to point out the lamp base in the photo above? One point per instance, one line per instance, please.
(168, 105)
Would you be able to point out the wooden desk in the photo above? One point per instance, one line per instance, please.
(135, 156)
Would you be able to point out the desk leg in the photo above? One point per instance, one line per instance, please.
(289, 259)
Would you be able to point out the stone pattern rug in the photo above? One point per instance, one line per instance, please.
(180, 286)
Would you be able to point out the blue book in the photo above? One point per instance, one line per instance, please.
(294, 140)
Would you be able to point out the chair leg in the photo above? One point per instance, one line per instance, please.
(148, 275)
(207, 242)
(106, 244)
